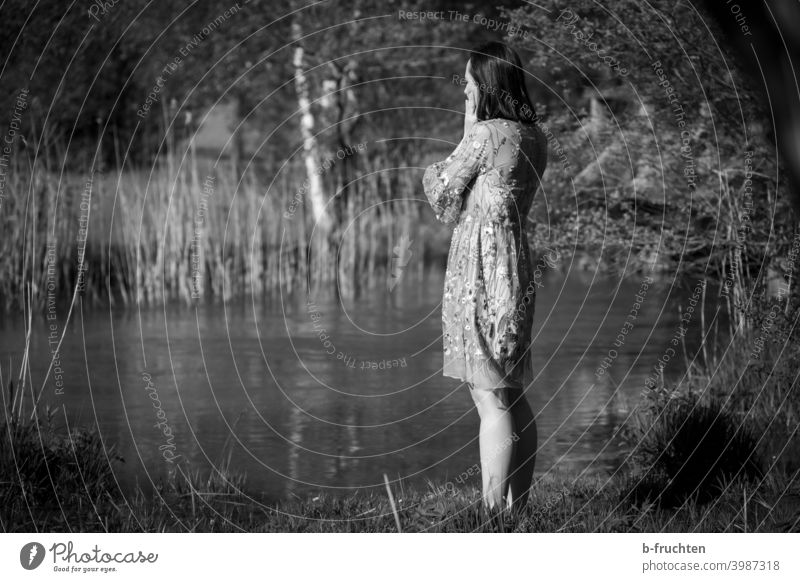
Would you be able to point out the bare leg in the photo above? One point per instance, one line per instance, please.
(524, 461)
(497, 443)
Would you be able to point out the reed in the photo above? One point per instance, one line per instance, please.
(189, 230)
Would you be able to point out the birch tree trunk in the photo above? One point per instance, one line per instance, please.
(311, 150)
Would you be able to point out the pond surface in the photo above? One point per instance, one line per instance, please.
(332, 395)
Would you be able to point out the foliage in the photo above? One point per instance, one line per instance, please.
(659, 153)
(89, 74)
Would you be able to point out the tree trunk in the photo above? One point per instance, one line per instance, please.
(311, 153)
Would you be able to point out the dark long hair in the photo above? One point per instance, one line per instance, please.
(497, 70)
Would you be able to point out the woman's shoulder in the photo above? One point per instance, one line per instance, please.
(524, 127)
(496, 127)
(496, 122)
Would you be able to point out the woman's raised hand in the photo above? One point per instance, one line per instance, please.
(470, 112)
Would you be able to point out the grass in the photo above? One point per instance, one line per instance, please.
(557, 505)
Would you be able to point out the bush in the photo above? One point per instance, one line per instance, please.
(691, 447)
(42, 467)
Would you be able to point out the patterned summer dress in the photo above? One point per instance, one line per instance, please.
(486, 186)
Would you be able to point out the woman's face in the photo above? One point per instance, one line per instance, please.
(471, 88)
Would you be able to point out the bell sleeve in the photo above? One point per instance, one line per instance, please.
(445, 182)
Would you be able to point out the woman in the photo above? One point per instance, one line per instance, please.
(486, 187)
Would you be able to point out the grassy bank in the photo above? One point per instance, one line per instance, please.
(557, 504)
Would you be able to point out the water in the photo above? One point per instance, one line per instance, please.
(301, 410)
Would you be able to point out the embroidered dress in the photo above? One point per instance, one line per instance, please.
(486, 187)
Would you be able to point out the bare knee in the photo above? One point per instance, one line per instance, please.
(490, 400)
(497, 397)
